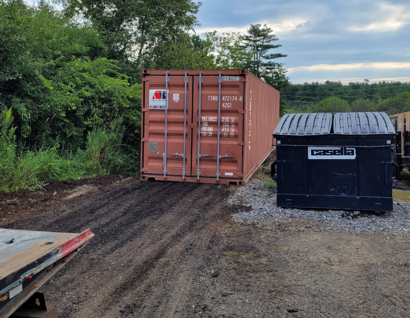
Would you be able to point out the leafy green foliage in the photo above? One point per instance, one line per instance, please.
(55, 83)
(7, 148)
(270, 184)
(103, 155)
(139, 34)
(226, 50)
(330, 104)
(33, 168)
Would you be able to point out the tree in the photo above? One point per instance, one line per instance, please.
(227, 50)
(259, 41)
(137, 32)
(53, 82)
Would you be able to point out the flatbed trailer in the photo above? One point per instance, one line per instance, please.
(28, 259)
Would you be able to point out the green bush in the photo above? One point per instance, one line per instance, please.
(33, 168)
(7, 149)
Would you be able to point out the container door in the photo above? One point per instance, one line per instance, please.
(166, 149)
(218, 105)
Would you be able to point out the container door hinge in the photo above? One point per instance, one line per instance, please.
(241, 143)
(240, 174)
(242, 111)
(144, 139)
(144, 170)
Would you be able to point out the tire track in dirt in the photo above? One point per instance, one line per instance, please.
(187, 255)
(179, 222)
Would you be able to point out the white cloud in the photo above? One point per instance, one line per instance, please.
(386, 17)
(345, 80)
(285, 25)
(352, 66)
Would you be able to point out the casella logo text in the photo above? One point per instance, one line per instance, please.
(339, 153)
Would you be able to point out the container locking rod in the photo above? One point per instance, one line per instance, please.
(198, 172)
(185, 131)
(218, 173)
(164, 155)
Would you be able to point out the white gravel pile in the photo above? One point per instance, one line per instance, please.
(262, 202)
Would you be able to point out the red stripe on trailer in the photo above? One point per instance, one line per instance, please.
(76, 242)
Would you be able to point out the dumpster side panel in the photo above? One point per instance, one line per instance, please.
(262, 116)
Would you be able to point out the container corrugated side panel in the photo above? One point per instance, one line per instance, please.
(262, 116)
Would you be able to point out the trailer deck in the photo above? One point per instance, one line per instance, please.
(28, 259)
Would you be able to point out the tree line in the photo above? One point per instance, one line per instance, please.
(389, 97)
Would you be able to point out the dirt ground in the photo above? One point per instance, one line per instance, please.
(171, 250)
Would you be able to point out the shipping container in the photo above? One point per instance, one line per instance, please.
(340, 161)
(207, 126)
(401, 148)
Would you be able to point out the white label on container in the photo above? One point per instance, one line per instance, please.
(157, 98)
(228, 173)
(175, 97)
(15, 291)
(230, 78)
(332, 153)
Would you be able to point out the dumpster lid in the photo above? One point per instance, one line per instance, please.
(367, 123)
(304, 124)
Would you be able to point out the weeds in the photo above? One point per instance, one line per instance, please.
(30, 169)
(270, 184)
(401, 195)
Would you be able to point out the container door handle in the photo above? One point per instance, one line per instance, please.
(205, 156)
(226, 157)
(198, 172)
(185, 131)
(177, 155)
(164, 155)
(219, 127)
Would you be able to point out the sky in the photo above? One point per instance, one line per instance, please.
(337, 40)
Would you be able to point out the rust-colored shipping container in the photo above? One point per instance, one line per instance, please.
(207, 126)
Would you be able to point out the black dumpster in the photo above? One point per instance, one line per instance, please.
(339, 161)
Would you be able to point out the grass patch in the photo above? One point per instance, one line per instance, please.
(270, 184)
(401, 195)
